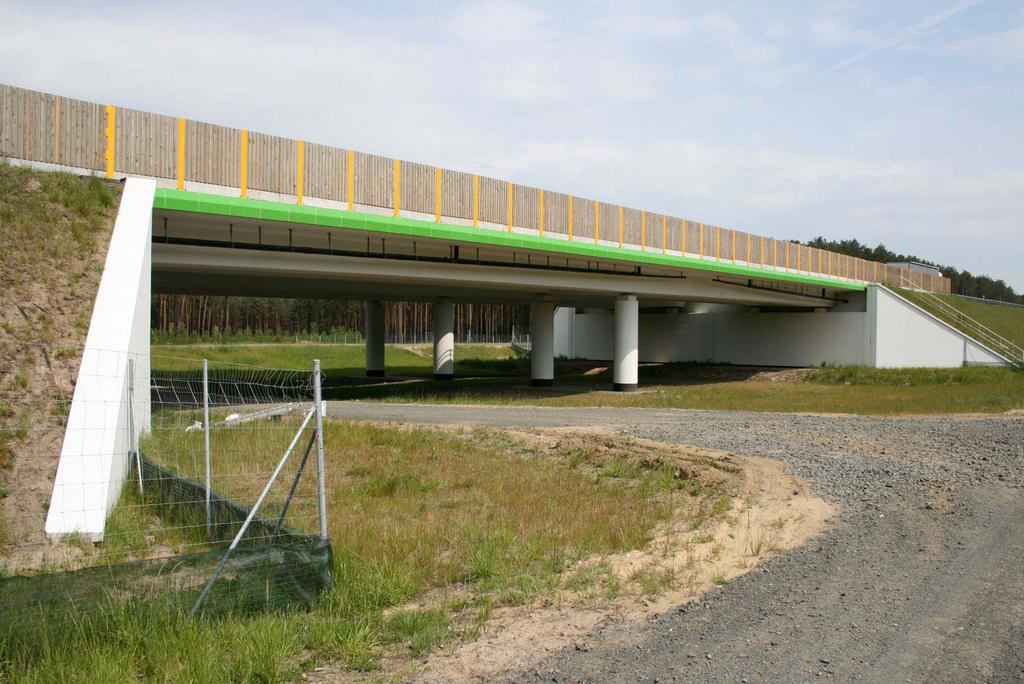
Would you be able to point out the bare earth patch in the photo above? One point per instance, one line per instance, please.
(773, 513)
(55, 229)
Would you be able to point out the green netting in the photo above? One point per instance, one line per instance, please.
(274, 568)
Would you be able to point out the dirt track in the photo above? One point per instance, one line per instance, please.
(919, 578)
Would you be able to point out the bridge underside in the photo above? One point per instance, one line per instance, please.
(198, 253)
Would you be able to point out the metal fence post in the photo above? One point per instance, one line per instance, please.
(320, 483)
(206, 445)
(133, 444)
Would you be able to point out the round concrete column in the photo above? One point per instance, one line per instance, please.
(374, 335)
(542, 340)
(444, 339)
(627, 338)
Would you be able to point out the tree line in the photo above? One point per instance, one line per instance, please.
(963, 282)
(190, 318)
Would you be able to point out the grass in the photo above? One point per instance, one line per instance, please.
(338, 361)
(491, 375)
(855, 390)
(431, 531)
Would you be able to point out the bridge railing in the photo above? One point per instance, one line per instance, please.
(115, 141)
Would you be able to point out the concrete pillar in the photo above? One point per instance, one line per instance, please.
(542, 339)
(444, 339)
(374, 335)
(627, 339)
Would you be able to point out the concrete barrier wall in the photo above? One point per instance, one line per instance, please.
(111, 140)
(105, 419)
(790, 339)
(882, 330)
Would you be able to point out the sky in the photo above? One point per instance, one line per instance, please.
(900, 123)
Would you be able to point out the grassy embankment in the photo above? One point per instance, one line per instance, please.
(54, 229)
(432, 530)
(490, 375)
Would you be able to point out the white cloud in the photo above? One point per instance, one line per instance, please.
(742, 45)
(831, 32)
(1006, 46)
(909, 32)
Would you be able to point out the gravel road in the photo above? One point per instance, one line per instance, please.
(920, 577)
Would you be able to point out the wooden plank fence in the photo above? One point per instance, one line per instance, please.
(112, 140)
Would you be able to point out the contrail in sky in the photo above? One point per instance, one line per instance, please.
(909, 32)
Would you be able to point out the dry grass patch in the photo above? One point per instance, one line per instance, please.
(768, 511)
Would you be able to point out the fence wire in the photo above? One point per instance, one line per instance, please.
(132, 486)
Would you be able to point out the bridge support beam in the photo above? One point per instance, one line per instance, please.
(542, 341)
(444, 339)
(374, 337)
(627, 339)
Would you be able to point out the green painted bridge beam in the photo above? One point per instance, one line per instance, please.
(267, 210)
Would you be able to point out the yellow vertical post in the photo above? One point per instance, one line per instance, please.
(761, 238)
(775, 254)
(476, 200)
(298, 176)
(181, 153)
(734, 246)
(683, 225)
(570, 217)
(597, 222)
(798, 257)
(397, 199)
(56, 129)
(748, 249)
(243, 171)
(111, 129)
(350, 184)
(701, 252)
(542, 213)
(664, 232)
(621, 225)
(437, 194)
(643, 230)
(510, 206)
(787, 254)
(718, 243)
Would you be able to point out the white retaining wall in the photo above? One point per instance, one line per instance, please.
(94, 454)
(906, 336)
(882, 330)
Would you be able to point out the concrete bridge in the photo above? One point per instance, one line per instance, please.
(216, 210)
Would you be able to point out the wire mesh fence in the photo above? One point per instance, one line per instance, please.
(171, 482)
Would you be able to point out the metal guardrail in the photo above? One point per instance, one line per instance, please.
(982, 300)
(990, 338)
